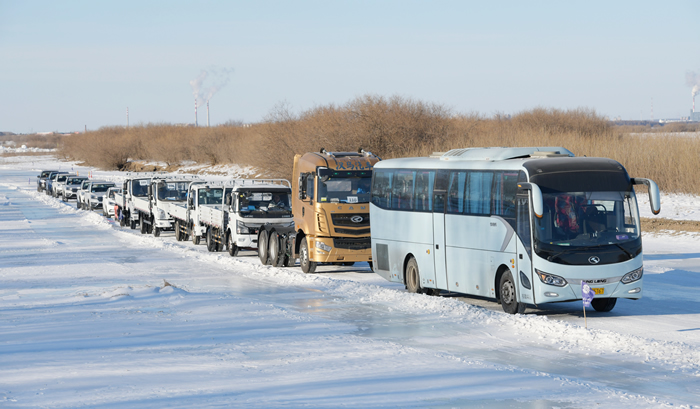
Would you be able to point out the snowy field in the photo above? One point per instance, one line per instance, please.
(96, 315)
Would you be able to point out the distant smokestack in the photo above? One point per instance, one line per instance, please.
(195, 111)
(207, 114)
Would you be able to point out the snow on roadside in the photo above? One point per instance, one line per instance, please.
(560, 335)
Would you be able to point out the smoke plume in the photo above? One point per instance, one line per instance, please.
(692, 79)
(215, 79)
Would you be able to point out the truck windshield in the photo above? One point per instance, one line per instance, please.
(172, 191)
(212, 196)
(264, 203)
(343, 186)
(140, 187)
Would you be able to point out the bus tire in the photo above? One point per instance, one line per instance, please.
(412, 276)
(509, 300)
(262, 248)
(307, 266)
(603, 304)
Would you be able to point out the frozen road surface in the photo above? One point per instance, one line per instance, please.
(96, 315)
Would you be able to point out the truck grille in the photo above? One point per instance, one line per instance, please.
(352, 244)
(346, 219)
(360, 232)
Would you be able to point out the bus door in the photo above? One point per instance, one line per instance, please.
(439, 194)
(524, 248)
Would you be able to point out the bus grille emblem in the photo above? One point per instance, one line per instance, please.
(594, 260)
(356, 219)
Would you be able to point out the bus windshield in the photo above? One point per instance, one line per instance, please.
(584, 219)
(343, 186)
(172, 191)
(258, 203)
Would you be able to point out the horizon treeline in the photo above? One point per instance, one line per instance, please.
(392, 127)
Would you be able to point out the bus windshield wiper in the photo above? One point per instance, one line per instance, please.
(625, 250)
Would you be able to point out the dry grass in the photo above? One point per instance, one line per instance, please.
(658, 225)
(394, 127)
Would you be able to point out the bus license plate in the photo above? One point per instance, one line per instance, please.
(598, 291)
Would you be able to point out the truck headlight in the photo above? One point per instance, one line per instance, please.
(551, 279)
(161, 214)
(241, 228)
(323, 246)
(633, 276)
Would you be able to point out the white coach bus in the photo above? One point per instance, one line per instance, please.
(522, 225)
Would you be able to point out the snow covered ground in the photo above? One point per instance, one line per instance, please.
(92, 314)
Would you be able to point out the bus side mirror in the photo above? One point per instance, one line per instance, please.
(654, 196)
(537, 201)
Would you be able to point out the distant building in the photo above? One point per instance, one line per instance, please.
(695, 116)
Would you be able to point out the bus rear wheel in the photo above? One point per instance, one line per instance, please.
(603, 304)
(509, 300)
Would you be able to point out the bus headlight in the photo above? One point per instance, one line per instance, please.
(633, 276)
(323, 246)
(551, 279)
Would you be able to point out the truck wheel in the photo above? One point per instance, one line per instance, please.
(307, 266)
(156, 231)
(132, 223)
(178, 233)
(195, 240)
(231, 246)
(276, 259)
(142, 225)
(262, 248)
(122, 219)
(509, 300)
(211, 245)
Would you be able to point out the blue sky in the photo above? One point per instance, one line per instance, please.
(67, 65)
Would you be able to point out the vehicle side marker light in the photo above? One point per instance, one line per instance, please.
(548, 294)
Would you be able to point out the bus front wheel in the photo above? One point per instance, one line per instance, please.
(412, 276)
(509, 300)
(603, 304)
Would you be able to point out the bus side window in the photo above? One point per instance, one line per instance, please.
(479, 192)
(402, 190)
(505, 188)
(381, 188)
(455, 193)
(422, 196)
(439, 190)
